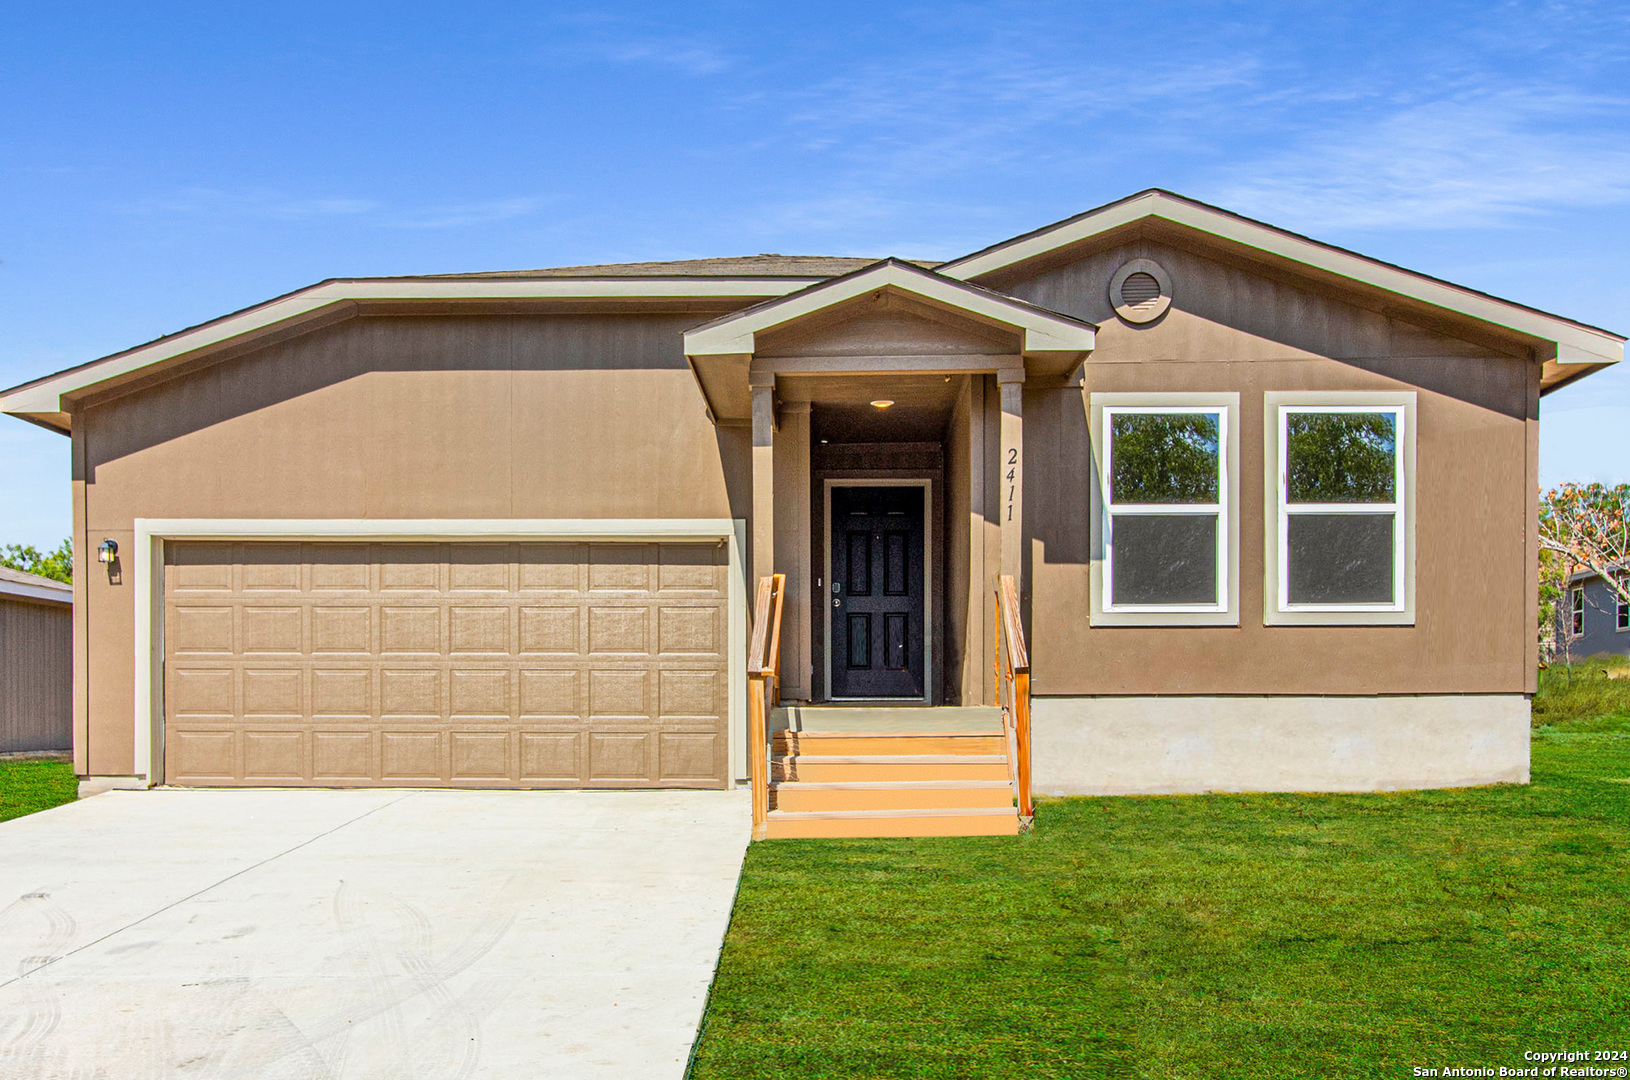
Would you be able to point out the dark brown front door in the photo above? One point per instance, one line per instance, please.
(877, 592)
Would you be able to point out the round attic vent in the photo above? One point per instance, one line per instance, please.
(1140, 291)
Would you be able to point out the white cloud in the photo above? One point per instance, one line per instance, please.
(213, 202)
(1477, 158)
(475, 213)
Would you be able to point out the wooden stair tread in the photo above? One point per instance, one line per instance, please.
(893, 759)
(839, 815)
(888, 785)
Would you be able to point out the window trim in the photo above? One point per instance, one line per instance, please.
(1621, 614)
(1576, 610)
(1226, 611)
(1277, 609)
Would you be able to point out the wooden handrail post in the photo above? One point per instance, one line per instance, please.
(1013, 678)
(763, 691)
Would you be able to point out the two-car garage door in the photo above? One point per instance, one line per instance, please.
(446, 664)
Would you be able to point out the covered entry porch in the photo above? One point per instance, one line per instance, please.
(888, 545)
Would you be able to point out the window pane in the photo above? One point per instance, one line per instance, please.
(1341, 457)
(1164, 457)
(1164, 559)
(1340, 558)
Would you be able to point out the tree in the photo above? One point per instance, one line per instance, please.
(57, 565)
(1584, 527)
(1588, 525)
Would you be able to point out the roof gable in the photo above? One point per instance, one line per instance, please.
(1042, 332)
(1573, 348)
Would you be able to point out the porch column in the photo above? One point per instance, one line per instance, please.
(763, 478)
(1010, 496)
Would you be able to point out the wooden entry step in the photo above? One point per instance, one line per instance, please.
(949, 777)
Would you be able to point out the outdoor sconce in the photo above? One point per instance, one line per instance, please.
(107, 551)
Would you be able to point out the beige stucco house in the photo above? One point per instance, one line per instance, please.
(1267, 507)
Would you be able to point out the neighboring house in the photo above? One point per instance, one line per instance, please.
(1592, 620)
(36, 663)
(1269, 505)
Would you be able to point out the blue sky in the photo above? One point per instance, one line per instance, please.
(163, 164)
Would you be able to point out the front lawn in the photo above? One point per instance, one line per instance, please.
(1208, 937)
(30, 784)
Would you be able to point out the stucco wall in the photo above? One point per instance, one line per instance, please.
(1230, 330)
(559, 416)
(1169, 745)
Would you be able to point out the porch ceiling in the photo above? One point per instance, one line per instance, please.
(841, 409)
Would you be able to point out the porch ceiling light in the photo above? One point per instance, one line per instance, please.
(882, 403)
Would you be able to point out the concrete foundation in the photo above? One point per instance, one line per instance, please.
(1175, 745)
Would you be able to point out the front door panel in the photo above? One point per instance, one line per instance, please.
(876, 595)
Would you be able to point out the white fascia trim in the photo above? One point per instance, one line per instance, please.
(147, 587)
(1575, 344)
(45, 397)
(734, 335)
(37, 592)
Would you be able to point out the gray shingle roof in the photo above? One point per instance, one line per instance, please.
(24, 580)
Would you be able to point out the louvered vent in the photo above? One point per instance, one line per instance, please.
(1140, 291)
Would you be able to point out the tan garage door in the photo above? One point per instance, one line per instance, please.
(448, 665)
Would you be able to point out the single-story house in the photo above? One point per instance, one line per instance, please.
(1245, 510)
(1592, 620)
(36, 663)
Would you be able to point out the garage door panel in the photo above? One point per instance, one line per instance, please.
(547, 694)
(274, 756)
(481, 692)
(344, 757)
(410, 692)
(552, 757)
(409, 567)
(619, 756)
(341, 631)
(408, 631)
(268, 568)
(478, 664)
(550, 630)
(688, 755)
(551, 568)
(200, 692)
(194, 630)
(342, 692)
(273, 692)
(199, 568)
(411, 755)
(339, 567)
(205, 754)
(480, 568)
(481, 755)
(620, 629)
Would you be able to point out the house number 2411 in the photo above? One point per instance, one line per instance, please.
(1012, 475)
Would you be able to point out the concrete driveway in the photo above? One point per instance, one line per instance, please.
(412, 934)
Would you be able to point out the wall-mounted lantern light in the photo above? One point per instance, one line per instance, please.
(107, 551)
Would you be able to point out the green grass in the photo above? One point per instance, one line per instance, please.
(1203, 936)
(1583, 692)
(28, 785)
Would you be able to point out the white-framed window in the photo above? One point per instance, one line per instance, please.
(1576, 610)
(1621, 614)
(1341, 540)
(1166, 500)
